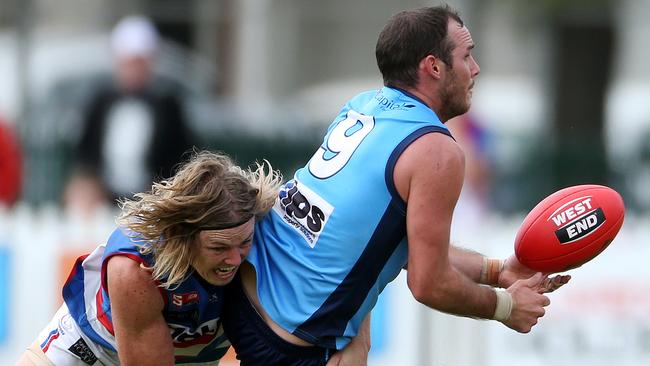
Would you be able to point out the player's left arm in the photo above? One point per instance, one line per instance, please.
(498, 272)
(142, 334)
(356, 352)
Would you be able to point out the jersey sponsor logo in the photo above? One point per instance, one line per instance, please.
(389, 104)
(81, 350)
(184, 299)
(577, 219)
(304, 210)
(184, 336)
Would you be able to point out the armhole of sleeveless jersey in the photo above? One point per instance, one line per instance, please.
(397, 152)
(133, 257)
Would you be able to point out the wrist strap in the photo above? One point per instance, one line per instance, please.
(504, 305)
(490, 271)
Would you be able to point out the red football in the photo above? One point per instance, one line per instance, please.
(569, 228)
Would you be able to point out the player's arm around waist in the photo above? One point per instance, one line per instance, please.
(429, 177)
(141, 332)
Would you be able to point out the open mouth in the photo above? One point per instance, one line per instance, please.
(224, 271)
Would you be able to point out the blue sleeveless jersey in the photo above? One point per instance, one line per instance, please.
(192, 309)
(337, 233)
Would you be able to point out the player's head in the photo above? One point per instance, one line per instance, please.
(432, 43)
(408, 37)
(201, 217)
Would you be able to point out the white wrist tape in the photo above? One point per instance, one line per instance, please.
(504, 305)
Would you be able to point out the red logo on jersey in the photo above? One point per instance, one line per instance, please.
(184, 299)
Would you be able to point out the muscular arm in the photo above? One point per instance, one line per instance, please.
(142, 335)
(429, 176)
(468, 262)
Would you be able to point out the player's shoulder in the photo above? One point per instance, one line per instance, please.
(360, 101)
(124, 266)
(434, 159)
(366, 96)
(122, 252)
(436, 146)
(132, 290)
(122, 273)
(433, 153)
(125, 240)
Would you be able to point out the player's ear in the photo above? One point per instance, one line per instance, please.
(432, 66)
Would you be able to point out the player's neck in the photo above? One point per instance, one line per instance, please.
(431, 100)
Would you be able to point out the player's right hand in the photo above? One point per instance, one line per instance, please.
(528, 303)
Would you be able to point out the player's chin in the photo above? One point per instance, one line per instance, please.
(468, 100)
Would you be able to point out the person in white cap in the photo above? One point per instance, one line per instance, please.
(134, 131)
(134, 42)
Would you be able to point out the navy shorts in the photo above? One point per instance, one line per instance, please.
(255, 343)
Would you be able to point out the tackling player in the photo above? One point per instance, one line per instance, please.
(154, 290)
(153, 294)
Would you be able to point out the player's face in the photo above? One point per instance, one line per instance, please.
(456, 92)
(220, 252)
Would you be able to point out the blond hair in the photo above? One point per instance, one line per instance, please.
(208, 191)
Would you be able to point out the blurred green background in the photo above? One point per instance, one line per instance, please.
(561, 99)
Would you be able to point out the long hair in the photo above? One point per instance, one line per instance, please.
(408, 37)
(208, 191)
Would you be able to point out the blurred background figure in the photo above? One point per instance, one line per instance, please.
(84, 194)
(134, 128)
(10, 166)
(474, 200)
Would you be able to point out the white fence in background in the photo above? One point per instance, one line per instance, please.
(601, 318)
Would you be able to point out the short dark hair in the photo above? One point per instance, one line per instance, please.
(408, 37)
